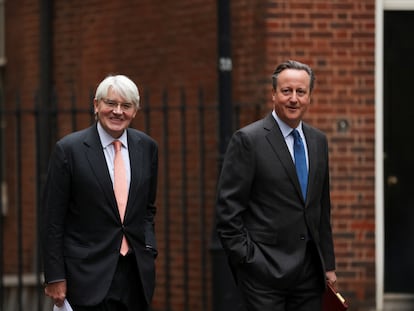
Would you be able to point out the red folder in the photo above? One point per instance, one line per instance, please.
(333, 301)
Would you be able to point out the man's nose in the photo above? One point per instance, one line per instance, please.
(117, 109)
(294, 97)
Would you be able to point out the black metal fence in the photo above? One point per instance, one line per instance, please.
(186, 128)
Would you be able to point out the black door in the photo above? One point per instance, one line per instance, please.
(399, 150)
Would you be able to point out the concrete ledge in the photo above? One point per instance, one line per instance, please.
(397, 301)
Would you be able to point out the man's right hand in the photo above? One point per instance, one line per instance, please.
(56, 291)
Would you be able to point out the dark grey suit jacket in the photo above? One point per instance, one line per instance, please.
(82, 230)
(263, 221)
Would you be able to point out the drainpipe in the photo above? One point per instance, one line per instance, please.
(43, 117)
(225, 294)
(44, 100)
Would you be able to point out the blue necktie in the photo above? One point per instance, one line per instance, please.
(300, 161)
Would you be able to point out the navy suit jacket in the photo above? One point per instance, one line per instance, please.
(263, 220)
(82, 229)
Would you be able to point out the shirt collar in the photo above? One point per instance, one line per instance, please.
(107, 139)
(286, 129)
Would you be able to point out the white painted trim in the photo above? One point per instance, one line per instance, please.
(398, 5)
(28, 279)
(381, 6)
(379, 154)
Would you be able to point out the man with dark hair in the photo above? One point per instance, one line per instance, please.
(273, 205)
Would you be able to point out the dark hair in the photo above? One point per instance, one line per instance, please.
(292, 64)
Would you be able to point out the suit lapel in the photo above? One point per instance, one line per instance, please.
(312, 155)
(136, 160)
(278, 143)
(97, 161)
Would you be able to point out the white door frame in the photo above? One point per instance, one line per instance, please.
(380, 6)
(379, 157)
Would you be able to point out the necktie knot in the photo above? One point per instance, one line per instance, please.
(117, 145)
(295, 134)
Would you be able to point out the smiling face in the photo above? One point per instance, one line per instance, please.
(112, 115)
(292, 96)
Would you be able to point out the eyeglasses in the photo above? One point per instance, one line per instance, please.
(113, 104)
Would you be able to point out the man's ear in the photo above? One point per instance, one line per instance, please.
(273, 94)
(95, 106)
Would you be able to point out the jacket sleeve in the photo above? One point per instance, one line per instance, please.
(325, 229)
(233, 196)
(55, 205)
(151, 208)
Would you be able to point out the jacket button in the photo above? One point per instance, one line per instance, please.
(302, 237)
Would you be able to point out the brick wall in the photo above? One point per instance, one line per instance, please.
(337, 39)
(172, 45)
(20, 83)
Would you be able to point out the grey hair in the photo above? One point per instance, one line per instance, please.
(121, 84)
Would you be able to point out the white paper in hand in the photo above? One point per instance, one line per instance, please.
(66, 307)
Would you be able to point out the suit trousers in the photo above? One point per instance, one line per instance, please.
(126, 291)
(305, 294)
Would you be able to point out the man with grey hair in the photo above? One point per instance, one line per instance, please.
(99, 207)
(273, 205)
